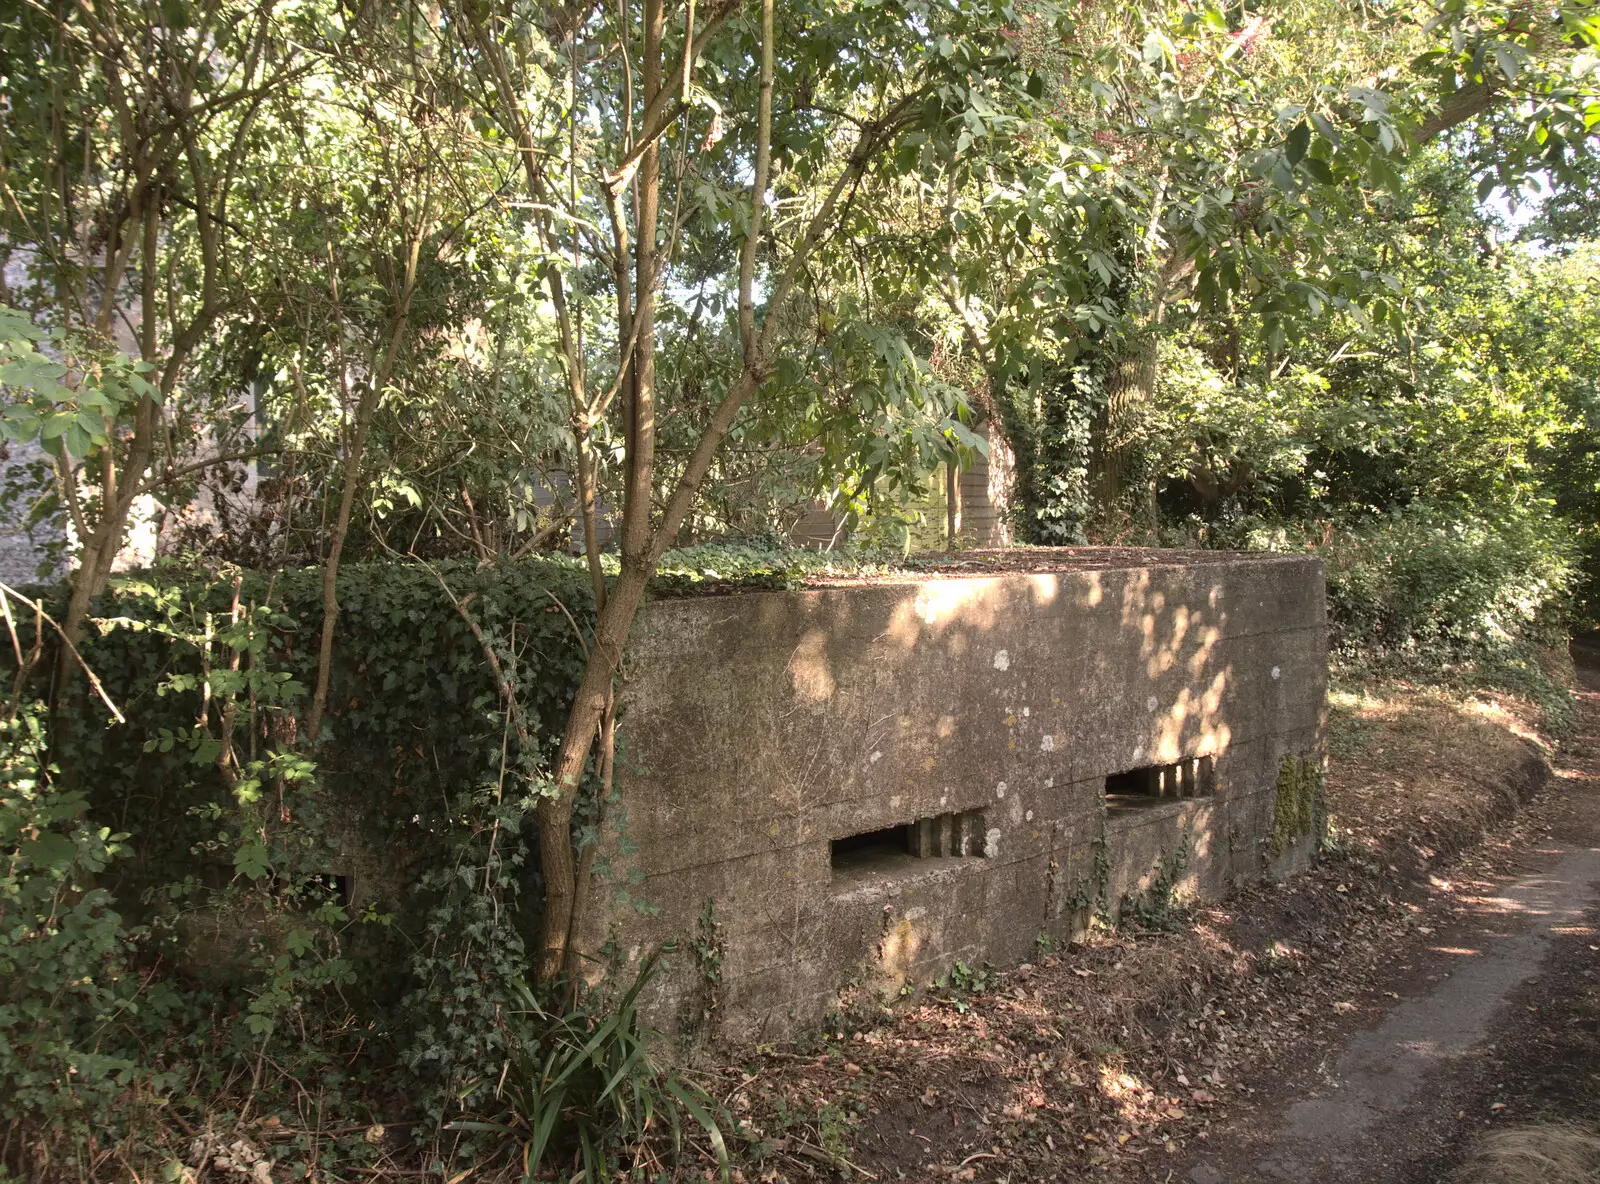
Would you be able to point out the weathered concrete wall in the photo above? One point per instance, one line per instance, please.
(762, 727)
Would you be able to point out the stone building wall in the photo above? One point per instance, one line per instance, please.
(24, 550)
(862, 785)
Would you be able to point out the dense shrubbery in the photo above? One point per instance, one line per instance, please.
(255, 922)
(1455, 596)
(1419, 581)
(275, 922)
(67, 990)
(1436, 593)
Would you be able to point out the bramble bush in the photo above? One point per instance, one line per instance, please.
(1438, 593)
(1458, 583)
(1457, 595)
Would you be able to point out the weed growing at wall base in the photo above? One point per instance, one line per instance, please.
(962, 980)
(581, 1091)
(1158, 908)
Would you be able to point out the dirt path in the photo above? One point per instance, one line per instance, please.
(1360, 1023)
(1492, 1017)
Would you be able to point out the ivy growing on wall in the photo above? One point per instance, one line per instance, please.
(375, 885)
(266, 909)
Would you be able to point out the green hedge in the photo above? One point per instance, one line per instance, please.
(1438, 592)
(1454, 583)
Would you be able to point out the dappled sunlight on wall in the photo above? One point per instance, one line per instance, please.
(897, 957)
(808, 668)
(939, 604)
(850, 715)
(1192, 726)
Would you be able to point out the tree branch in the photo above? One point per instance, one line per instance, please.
(1467, 103)
(665, 106)
(172, 473)
(7, 590)
(758, 192)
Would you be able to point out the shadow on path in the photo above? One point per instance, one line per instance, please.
(1384, 1108)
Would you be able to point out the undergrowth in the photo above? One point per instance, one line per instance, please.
(205, 919)
(579, 1089)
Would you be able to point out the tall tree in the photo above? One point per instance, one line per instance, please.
(652, 140)
(126, 174)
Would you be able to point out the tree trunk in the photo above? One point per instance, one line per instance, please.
(952, 504)
(644, 536)
(366, 407)
(101, 547)
(556, 857)
(1130, 387)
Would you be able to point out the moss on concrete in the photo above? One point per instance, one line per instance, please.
(1298, 810)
